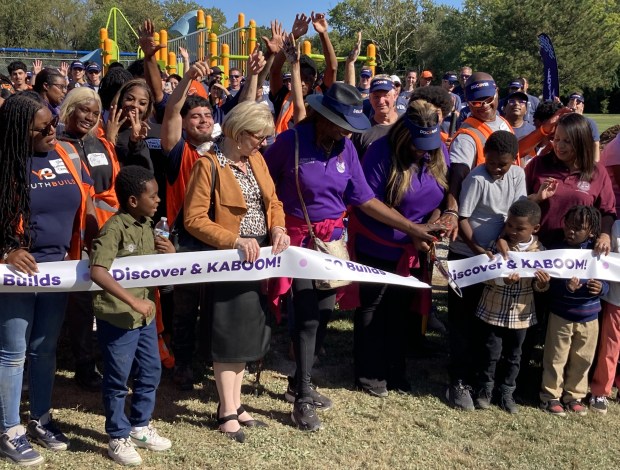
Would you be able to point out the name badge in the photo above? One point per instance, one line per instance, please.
(97, 159)
(59, 166)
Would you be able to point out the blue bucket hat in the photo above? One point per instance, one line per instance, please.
(342, 105)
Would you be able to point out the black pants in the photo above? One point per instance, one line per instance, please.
(189, 301)
(80, 318)
(310, 306)
(461, 316)
(380, 332)
(499, 343)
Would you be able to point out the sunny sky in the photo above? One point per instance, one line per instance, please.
(283, 10)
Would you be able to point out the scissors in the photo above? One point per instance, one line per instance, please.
(432, 259)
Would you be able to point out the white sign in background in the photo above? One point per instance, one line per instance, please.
(202, 266)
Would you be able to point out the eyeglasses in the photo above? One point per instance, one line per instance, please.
(480, 104)
(235, 76)
(512, 102)
(47, 130)
(259, 138)
(60, 86)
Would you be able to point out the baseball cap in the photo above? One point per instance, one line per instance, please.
(577, 97)
(381, 84)
(77, 64)
(515, 84)
(427, 74)
(451, 77)
(480, 89)
(366, 73)
(215, 70)
(395, 79)
(518, 94)
(286, 76)
(94, 67)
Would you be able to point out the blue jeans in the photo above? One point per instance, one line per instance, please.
(128, 353)
(28, 322)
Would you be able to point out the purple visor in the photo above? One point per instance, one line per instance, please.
(424, 138)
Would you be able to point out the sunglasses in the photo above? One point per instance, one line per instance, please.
(465, 77)
(235, 76)
(47, 130)
(512, 102)
(480, 104)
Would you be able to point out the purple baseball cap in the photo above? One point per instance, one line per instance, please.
(480, 90)
(381, 84)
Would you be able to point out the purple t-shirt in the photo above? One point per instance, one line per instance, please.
(424, 196)
(328, 184)
(54, 201)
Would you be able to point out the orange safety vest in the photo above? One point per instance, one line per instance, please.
(480, 132)
(106, 202)
(286, 114)
(175, 192)
(75, 246)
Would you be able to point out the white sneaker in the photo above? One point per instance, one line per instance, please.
(123, 452)
(148, 438)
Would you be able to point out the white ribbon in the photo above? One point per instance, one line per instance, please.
(203, 266)
(565, 264)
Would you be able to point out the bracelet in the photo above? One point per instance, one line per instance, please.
(281, 228)
(451, 212)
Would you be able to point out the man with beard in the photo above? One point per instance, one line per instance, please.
(185, 135)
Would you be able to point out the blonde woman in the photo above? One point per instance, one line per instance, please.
(245, 214)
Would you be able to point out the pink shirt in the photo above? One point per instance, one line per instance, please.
(610, 156)
(572, 191)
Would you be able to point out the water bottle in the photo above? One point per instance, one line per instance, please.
(162, 229)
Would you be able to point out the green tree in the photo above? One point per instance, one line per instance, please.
(392, 25)
(500, 36)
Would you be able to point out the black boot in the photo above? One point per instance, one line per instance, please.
(506, 400)
(484, 395)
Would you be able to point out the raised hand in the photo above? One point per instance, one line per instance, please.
(183, 53)
(115, 121)
(198, 71)
(274, 44)
(319, 22)
(355, 52)
(291, 49)
(139, 129)
(256, 61)
(37, 66)
(146, 38)
(300, 25)
(64, 69)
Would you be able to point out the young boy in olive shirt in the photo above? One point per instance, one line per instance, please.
(125, 327)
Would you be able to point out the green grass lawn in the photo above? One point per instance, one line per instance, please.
(416, 430)
(604, 121)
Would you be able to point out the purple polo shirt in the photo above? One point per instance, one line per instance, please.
(571, 192)
(328, 184)
(423, 197)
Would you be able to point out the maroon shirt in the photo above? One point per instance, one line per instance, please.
(571, 192)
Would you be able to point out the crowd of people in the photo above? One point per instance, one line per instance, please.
(90, 161)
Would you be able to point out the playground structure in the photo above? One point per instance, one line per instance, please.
(227, 50)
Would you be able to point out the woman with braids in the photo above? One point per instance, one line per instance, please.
(43, 202)
(407, 170)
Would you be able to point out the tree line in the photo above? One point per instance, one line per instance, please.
(499, 36)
